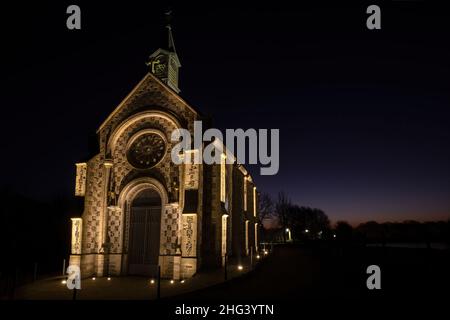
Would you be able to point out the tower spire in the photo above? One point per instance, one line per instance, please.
(171, 43)
(164, 62)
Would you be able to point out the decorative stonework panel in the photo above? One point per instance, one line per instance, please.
(93, 205)
(77, 225)
(191, 176)
(169, 229)
(115, 229)
(188, 267)
(189, 235)
(80, 184)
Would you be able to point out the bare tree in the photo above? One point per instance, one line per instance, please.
(306, 222)
(282, 209)
(266, 207)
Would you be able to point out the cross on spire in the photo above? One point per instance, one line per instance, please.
(171, 43)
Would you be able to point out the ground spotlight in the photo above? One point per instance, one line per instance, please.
(172, 282)
(93, 278)
(240, 267)
(152, 281)
(109, 279)
(64, 282)
(182, 281)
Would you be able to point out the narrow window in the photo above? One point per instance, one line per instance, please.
(222, 177)
(254, 201)
(246, 237)
(245, 193)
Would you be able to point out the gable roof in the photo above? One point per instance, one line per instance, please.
(147, 77)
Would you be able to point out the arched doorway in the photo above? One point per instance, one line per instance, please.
(145, 228)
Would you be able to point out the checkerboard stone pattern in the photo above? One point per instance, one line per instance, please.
(93, 205)
(114, 229)
(170, 230)
(121, 167)
(149, 92)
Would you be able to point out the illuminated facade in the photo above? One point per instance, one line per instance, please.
(141, 210)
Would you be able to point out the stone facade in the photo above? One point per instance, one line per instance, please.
(198, 221)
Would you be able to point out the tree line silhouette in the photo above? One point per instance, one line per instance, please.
(305, 223)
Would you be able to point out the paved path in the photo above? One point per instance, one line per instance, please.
(123, 288)
(289, 273)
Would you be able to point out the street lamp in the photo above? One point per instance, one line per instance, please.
(288, 231)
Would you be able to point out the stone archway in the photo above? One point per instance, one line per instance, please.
(142, 201)
(144, 233)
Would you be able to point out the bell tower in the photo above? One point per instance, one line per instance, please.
(164, 62)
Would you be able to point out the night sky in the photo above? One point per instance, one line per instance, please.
(364, 116)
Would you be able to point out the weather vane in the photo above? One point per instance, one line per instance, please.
(168, 14)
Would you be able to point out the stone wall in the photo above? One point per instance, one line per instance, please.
(238, 219)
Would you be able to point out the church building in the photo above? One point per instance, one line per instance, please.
(142, 211)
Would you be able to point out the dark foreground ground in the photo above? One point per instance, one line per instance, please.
(295, 272)
(301, 279)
